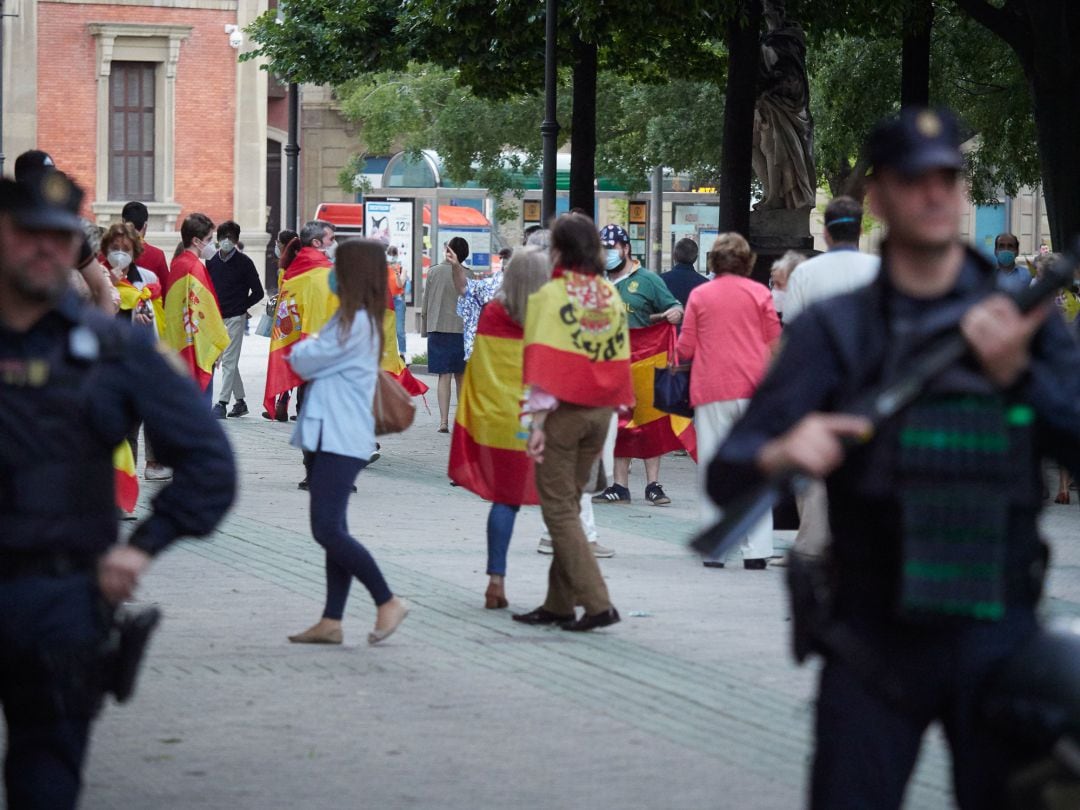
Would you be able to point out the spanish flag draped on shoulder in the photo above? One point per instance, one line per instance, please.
(651, 433)
(391, 361)
(193, 323)
(576, 343)
(304, 305)
(487, 450)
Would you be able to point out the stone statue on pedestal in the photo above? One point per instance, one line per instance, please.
(783, 155)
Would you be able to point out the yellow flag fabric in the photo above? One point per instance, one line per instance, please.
(576, 342)
(193, 322)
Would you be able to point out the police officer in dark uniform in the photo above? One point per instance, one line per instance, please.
(936, 565)
(72, 382)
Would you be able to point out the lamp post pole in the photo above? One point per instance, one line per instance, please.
(292, 150)
(1, 87)
(549, 129)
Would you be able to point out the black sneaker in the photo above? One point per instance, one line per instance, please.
(303, 485)
(654, 494)
(240, 408)
(613, 494)
(218, 411)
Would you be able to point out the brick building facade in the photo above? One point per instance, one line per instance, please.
(144, 100)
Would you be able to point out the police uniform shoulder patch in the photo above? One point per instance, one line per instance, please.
(172, 359)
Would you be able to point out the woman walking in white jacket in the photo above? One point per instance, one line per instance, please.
(336, 431)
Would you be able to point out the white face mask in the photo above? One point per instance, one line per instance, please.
(208, 251)
(119, 260)
(226, 246)
(778, 297)
(330, 250)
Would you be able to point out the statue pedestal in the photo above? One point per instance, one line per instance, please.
(775, 231)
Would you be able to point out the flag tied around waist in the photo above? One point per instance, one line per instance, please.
(487, 450)
(649, 432)
(193, 323)
(126, 482)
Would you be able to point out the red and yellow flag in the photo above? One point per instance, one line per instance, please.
(487, 450)
(127, 483)
(391, 361)
(304, 305)
(576, 343)
(131, 296)
(193, 323)
(649, 432)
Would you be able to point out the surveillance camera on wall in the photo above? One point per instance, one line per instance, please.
(236, 38)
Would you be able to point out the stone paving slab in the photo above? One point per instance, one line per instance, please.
(693, 703)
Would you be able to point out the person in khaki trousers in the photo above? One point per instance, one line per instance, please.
(577, 370)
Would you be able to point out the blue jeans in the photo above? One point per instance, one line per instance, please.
(500, 525)
(399, 317)
(330, 480)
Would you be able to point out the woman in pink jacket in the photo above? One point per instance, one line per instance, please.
(729, 332)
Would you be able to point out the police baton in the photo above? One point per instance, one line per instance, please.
(879, 405)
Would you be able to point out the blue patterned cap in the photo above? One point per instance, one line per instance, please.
(612, 235)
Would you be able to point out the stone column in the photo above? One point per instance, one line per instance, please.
(249, 162)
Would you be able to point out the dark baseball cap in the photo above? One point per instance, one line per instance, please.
(916, 140)
(32, 160)
(612, 235)
(43, 201)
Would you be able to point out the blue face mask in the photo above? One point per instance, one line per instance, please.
(613, 259)
(331, 280)
(1006, 258)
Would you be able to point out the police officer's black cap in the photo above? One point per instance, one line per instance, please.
(43, 201)
(915, 141)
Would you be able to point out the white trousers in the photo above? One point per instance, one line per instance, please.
(814, 534)
(713, 422)
(231, 384)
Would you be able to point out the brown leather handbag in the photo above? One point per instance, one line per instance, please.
(394, 408)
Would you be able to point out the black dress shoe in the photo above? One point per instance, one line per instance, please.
(587, 622)
(541, 616)
(758, 564)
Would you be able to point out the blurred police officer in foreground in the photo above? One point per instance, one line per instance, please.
(936, 564)
(72, 381)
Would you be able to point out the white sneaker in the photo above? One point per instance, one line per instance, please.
(158, 473)
(601, 552)
(545, 546)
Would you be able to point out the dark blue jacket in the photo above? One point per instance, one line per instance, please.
(70, 390)
(842, 346)
(236, 282)
(681, 279)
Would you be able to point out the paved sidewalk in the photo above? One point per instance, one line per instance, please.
(691, 702)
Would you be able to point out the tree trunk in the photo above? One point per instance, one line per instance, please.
(1057, 120)
(741, 93)
(915, 54)
(583, 128)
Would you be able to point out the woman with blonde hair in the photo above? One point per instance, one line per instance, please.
(729, 333)
(487, 450)
(336, 431)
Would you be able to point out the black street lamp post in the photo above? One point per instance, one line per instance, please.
(549, 129)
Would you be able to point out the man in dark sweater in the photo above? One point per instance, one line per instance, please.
(682, 278)
(238, 288)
